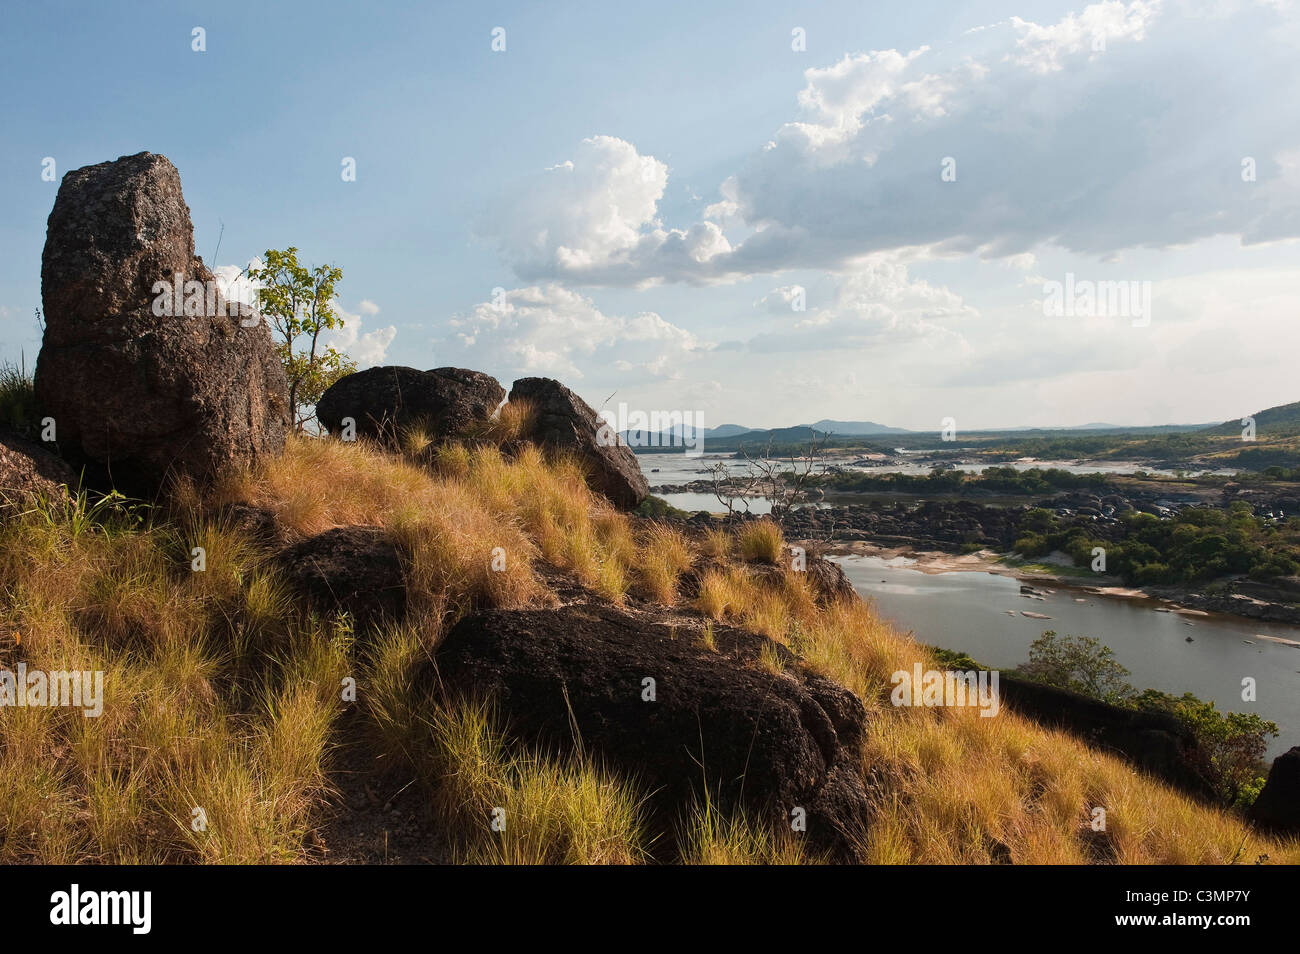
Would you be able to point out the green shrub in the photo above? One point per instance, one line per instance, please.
(1232, 744)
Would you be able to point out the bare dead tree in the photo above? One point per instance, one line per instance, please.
(782, 481)
(728, 490)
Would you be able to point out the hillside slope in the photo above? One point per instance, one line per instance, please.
(227, 705)
(1270, 423)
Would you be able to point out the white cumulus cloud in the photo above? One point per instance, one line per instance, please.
(1121, 125)
(555, 332)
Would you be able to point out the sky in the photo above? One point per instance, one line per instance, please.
(1015, 213)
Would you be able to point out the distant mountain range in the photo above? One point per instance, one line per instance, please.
(1283, 420)
(822, 428)
(827, 427)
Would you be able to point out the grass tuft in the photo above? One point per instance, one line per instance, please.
(760, 541)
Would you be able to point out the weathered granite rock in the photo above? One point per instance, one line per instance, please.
(774, 742)
(355, 570)
(139, 394)
(564, 421)
(1277, 807)
(385, 401)
(28, 470)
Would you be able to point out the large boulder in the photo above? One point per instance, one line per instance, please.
(564, 421)
(28, 470)
(773, 742)
(138, 395)
(1278, 805)
(353, 570)
(385, 401)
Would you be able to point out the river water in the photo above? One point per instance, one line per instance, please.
(968, 611)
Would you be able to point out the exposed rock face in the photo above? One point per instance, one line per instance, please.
(28, 470)
(1278, 804)
(1154, 741)
(384, 401)
(828, 579)
(774, 742)
(566, 422)
(355, 570)
(136, 395)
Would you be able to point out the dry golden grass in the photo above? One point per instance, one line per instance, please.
(508, 427)
(664, 556)
(760, 541)
(955, 784)
(208, 748)
(514, 420)
(221, 696)
(708, 639)
(716, 543)
(711, 837)
(769, 658)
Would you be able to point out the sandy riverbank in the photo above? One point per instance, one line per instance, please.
(988, 561)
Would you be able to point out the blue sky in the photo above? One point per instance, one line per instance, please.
(649, 190)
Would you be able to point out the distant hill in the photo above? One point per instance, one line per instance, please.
(781, 435)
(1067, 427)
(855, 428)
(726, 430)
(672, 437)
(1280, 421)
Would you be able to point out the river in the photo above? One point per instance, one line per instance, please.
(968, 611)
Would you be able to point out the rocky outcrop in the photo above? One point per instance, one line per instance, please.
(940, 523)
(383, 402)
(28, 470)
(354, 570)
(829, 581)
(1278, 805)
(138, 389)
(1154, 741)
(647, 695)
(1228, 598)
(564, 421)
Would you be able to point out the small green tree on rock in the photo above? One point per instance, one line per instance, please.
(299, 304)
